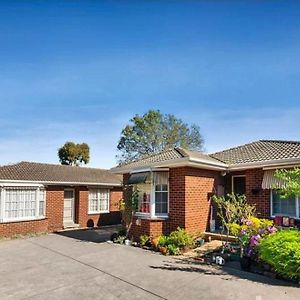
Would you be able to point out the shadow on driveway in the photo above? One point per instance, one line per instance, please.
(189, 265)
(99, 235)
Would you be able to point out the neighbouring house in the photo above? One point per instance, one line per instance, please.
(176, 185)
(38, 197)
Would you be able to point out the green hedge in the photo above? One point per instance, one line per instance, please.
(282, 252)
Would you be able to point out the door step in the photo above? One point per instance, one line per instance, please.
(70, 225)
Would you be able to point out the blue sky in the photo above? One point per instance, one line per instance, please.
(79, 70)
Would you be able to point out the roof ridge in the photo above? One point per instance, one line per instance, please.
(280, 141)
(145, 156)
(181, 151)
(55, 165)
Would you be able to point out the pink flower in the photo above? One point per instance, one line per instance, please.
(254, 240)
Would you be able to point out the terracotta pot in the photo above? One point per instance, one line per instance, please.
(163, 250)
(154, 242)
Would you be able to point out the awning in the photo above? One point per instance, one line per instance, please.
(138, 178)
(270, 181)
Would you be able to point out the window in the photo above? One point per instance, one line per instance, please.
(239, 184)
(284, 207)
(153, 193)
(161, 199)
(22, 203)
(98, 200)
(144, 190)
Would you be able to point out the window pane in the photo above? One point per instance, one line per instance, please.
(42, 203)
(20, 203)
(285, 207)
(68, 194)
(144, 191)
(93, 200)
(161, 187)
(164, 187)
(104, 196)
(161, 202)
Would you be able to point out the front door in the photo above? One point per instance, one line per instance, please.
(69, 199)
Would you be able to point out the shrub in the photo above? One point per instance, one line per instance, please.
(282, 252)
(250, 233)
(120, 239)
(163, 241)
(144, 239)
(173, 250)
(180, 238)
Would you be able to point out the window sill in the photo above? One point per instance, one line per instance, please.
(98, 212)
(148, 217)
(5, 221)
(293, 217)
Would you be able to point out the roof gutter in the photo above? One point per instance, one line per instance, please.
(180, 162)
(269, 164)
(59, 182)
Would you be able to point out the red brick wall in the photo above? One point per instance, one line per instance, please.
(261, 199)
(54, 207)
(177, 198)
(199, 186)
(25, 227)
(149, 227)
(254, 179)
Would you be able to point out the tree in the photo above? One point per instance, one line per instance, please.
(154, 132)
(291, 182)
(128, 207)
(74, 154)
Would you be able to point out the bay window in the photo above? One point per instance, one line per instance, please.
(153, 193)
(98, 201)
(284, 207)
(19, 203)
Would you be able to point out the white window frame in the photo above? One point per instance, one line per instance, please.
(163, 215)
(90, 212)
(232, 181)
(37, 216)
(152, 214)
(297, 202)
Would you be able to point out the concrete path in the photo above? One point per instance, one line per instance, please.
(59, 267)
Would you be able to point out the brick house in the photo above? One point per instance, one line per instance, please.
(176, 185)
(39, 197)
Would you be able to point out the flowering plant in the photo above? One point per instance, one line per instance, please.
(250, 232)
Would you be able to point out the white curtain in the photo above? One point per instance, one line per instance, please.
(160, 177)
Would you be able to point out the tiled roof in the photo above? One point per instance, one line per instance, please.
(263, 150)
(260, 151)
(145, 161)
(29, 171)
(166, 156)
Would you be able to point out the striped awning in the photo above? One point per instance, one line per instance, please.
(270, 181)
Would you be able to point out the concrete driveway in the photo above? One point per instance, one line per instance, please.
(61, 267)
